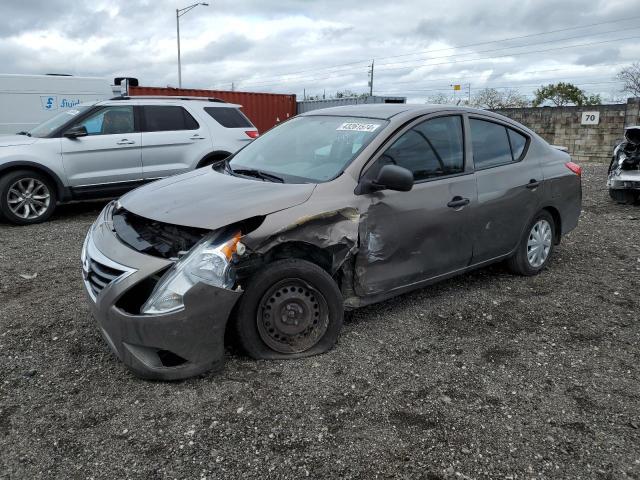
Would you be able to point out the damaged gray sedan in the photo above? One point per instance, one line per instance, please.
(331, 210)
(624, 170)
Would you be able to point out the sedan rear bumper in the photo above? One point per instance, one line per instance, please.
(168, 346)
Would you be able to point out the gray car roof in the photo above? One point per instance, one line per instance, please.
(385, 111)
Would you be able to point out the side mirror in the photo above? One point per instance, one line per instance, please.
(77, 131)
(390, 177)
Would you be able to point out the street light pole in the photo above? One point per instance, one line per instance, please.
(180, 12)
(178, 35)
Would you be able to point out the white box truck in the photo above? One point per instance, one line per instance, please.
(28, 100)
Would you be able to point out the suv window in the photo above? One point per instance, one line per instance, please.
(109, 121)
(494, 144)
(433, 148)
(163, 118)
(228, 117)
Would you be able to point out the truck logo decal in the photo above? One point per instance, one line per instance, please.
(49, 102)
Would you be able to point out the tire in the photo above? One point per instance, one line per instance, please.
(624, 197)
(309, 308)
(40, 203)
(541, 227)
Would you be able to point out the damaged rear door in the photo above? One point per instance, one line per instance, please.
(408, 237)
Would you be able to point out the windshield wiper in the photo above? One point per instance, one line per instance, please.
(252, 172)
(23, 133)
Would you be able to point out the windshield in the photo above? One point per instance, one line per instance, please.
(307, 149)
(49, 126)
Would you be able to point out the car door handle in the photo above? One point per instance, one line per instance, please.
(196, 137)
(533, 183)
(457, 202)
(125, 141)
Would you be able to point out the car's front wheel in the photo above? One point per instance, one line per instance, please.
(26, 197)
(536, 246)
(291, 309)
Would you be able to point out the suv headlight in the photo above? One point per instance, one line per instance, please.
(208, 262)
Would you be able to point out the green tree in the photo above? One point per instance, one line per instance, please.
(595, 99)
(561, 94)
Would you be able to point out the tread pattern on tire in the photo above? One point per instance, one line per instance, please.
(244, 321)
(7, 179)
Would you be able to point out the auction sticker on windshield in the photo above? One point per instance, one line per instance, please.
(358, 127)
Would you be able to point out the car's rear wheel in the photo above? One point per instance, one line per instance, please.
(291, 309)
(26, 197)
(536, 246)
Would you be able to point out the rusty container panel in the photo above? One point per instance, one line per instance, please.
(265, 110)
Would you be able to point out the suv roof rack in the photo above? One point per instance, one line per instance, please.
(168, 97)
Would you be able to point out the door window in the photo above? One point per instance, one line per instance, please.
(494, 144)
(110, 121)
(433, 148)
(164, 118)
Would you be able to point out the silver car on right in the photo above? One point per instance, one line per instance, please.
(624, 170)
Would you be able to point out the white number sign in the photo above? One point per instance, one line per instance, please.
(590, 118)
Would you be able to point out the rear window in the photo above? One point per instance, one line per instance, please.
(163, 118)
(518, 142)
(228, 117)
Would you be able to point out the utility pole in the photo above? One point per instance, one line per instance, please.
(371, 78)
(469, 91)
(233, 87)
(178, 37)
(180, 12)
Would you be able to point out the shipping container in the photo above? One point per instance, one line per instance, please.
(308, 105)
(263, 109)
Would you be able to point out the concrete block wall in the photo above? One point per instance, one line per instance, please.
(562, 126)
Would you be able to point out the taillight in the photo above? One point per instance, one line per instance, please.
(252, 133)
(574, 167)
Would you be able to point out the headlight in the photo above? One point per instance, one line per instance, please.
(208, 262)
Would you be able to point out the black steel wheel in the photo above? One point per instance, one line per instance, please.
(292, 316)
(293, 308)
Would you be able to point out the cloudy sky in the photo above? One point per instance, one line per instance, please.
(420, 47)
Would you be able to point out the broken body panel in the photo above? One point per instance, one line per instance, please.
(375, 245)
(624, 171)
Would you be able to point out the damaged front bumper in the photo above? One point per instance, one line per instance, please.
(168, 346)
(624, 180)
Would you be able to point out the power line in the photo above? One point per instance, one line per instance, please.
(430, 83)
(422, 52)
(506, 48)
(413, 67)
(507, 73)
(514, 87)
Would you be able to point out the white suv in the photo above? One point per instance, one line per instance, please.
(103, 149)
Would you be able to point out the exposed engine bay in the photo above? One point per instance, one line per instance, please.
(624, 170)
(155, 238)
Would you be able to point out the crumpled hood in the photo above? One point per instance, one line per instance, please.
(13, 140)
(205, 198)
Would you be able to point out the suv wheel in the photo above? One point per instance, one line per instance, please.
(26, 197)
(536, 246)
(291, 309)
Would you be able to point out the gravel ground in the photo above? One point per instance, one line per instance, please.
(487, 375)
